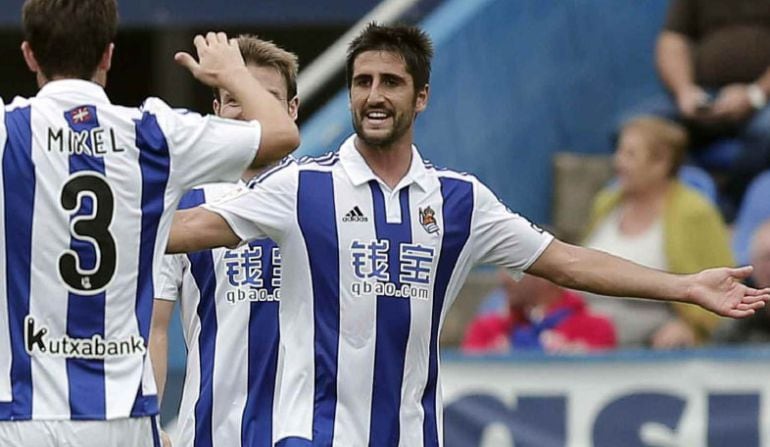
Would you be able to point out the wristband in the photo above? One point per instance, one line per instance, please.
(757, 96)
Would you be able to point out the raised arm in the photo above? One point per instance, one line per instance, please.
(199, 229)
(221, 65)
(719, 290)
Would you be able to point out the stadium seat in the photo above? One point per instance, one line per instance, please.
(754, 210)
(700, 180)
(719, 155)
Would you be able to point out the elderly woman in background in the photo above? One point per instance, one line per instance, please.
(650, 217)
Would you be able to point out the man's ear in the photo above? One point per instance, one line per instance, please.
(106, 62)
(294, 107)
(29, 57)
(216, 106)
(421, 102)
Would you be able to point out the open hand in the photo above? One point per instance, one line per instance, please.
(218, 56)
(720, 290)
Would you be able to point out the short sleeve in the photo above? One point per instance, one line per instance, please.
(502, 237)
(682, 18)
(203, 149)
(266, 209)
(169, 284)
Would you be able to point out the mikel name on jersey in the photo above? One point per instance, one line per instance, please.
(96, 141)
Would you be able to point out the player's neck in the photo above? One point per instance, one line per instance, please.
(99, 77)
(390, 163)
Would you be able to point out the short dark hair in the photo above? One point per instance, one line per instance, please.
(410, 42)
(68, 37)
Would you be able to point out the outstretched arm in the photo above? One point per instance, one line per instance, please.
(719, 290)
(199, 229)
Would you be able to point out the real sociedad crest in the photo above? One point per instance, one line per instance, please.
(428, 220)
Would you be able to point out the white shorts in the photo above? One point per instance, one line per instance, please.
(129, 432)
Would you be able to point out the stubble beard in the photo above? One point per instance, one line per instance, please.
(400, 127)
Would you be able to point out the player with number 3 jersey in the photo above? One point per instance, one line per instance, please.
(87, 193)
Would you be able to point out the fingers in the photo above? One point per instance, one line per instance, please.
(187, 61)
(758, 292)
(213, 38)
(200, 43)
(750, 306)
(742, 272)
(749, 298)
(735, 313)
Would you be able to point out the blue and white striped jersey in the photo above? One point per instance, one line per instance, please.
(87, 192)
(229, 304)
(373, 272)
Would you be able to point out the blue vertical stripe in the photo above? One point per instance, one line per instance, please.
(202, 269)
(257, 420)
(201, 266)
(154, 163)
(393, 324)
(19, 196)
(457, 211)
(155, 432)
(85, 313)
(316, 217)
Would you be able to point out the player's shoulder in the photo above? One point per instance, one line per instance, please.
(153, 104)
(161, 110)
(17, 102)
(323, 162)
(291, 167)
(442, 173)
(280, 172)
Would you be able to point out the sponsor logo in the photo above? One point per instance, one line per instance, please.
(235, 296)
(355, 215)
(37, 340)
(388, 289)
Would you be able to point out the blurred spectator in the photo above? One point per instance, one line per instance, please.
(714, 59)
(755, 329)
(654, 220)
(539, 315)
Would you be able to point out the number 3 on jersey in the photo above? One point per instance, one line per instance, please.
(88, 225)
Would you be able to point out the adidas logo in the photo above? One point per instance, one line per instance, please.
(355, 215)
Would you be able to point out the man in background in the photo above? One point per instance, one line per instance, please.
(538, 315)
(714, 59)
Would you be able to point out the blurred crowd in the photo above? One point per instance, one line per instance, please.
(691, 191)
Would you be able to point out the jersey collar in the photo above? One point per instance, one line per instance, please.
(359, 172)
(79, 87)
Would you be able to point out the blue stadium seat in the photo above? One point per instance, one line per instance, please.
(700, 180)
(754, 210)
(719, 155)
